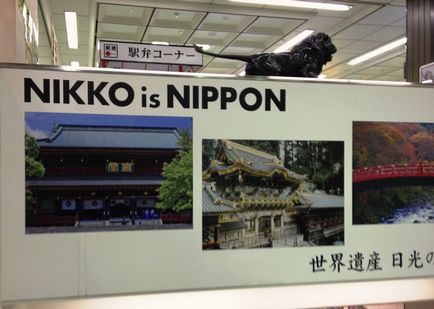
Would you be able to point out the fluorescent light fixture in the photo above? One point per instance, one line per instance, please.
(378, 51)
(300, 4)
(204, 46)
(160, 43)
(294, 41)
(75, 64)
(71, 29)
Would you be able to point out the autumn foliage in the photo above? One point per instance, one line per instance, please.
(382, 143)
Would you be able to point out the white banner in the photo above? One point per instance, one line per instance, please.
(145, 203)
(68, 204)
(93, 204)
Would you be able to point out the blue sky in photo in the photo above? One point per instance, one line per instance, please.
(39, 124)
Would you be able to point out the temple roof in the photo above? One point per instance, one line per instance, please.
(111, 137)
(234, 157)
(95, 181)
(212, 203)
(322, 200)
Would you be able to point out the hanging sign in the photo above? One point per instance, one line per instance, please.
(149, 53)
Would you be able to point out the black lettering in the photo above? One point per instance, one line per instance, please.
(112, 94)
(56, 91)
(144, 99)
(195, 97)
(228, 95)
(184, 100)
(209, 94)
(155, 101)
(92, 92)
(44, 95)
(67, 91)
(256, 94)
(270, 96)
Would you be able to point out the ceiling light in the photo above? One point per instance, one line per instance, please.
(378, 51)
(160, 43)
(204, 46)
(294, 41)
(300, 4)
(71, 29)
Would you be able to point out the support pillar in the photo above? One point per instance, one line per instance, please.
(256, 225)
(420, 40)
(13, 30)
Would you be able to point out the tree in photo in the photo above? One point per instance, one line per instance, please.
(176, 191)
(34, 168)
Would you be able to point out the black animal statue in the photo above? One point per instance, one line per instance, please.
(304, 60)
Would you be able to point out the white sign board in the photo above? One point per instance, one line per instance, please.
(346, 123)
(149, 53)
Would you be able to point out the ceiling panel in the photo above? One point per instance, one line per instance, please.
(357, 31)
(226, 22)
(124, 14)
(273, 26)
(176, 19)
(324, 23)
(120, 32)
(360, 46)
(212, 38)
(224, 63)
(241, 50)
(171, 35)
(79, 6)
(385, 16)
(400, 23)
(233, 28)
(260, 41)
(386, 34)
(395, 62)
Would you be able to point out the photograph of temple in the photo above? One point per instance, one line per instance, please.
(258, 194)
(100, 172)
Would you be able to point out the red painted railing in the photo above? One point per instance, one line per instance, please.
(393, 171)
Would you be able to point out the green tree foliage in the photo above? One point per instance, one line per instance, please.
(210, 147)
(34, 168)
(176, 191)
(321, 161)
(270, 147)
